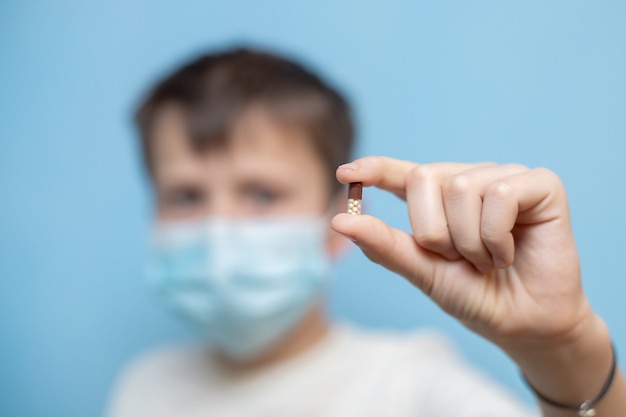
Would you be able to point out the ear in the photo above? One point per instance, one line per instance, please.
(336, 244)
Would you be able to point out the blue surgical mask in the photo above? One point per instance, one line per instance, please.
(244, 283)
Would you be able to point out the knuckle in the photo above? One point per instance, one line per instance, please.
(420, 174)
(499, 189)
(548, 175)
(458, 184)
(516, 167)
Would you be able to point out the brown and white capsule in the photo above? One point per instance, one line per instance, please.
(355, 194)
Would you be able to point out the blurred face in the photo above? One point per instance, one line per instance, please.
(265, 170)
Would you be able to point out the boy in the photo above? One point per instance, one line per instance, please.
(242, 148)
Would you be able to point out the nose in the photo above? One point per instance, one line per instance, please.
(222, 205)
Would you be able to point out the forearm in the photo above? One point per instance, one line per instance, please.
(574, 372)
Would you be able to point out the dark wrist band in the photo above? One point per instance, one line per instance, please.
(586, 409)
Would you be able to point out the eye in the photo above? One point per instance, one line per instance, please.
(262, 195)
(182, 198)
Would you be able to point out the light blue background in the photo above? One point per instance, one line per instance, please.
(537, 82)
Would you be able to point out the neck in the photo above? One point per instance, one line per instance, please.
(310, 330)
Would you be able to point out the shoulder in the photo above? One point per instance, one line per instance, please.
(165, 361)
(161, 370)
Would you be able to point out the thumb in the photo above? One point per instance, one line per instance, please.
(392, 248)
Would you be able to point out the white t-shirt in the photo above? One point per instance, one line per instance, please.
(350, 373)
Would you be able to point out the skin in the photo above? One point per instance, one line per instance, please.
(265, 170)
(492, 245)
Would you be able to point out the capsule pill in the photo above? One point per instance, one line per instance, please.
(355, 194)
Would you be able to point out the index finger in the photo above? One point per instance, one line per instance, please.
(390, 174)
(379, 171)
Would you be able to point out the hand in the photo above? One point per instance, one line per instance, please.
(492, 245)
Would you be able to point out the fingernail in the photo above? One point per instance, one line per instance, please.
(352, 166)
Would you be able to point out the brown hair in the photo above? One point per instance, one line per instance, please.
(215, 89)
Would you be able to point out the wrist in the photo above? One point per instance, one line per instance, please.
(583, 335)
(588, 407)
(568, 370)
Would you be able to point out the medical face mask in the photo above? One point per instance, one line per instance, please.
(244, 283)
